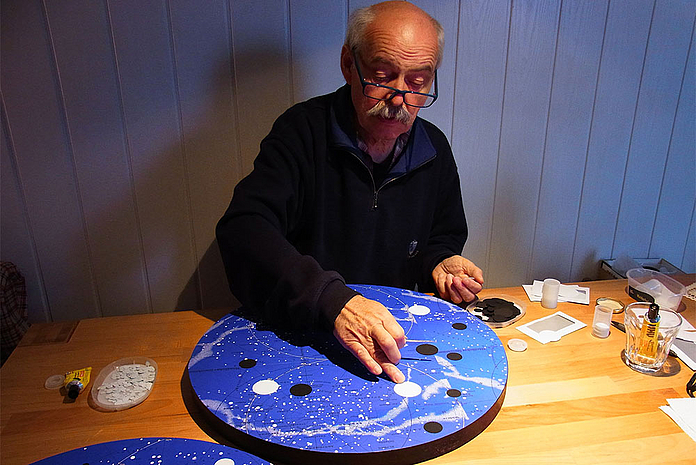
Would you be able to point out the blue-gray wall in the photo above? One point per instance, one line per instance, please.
(127, 123)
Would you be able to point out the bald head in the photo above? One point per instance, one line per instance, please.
(391, 45)
(399, 18)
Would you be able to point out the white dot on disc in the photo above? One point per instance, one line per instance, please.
(265, 387)
(419, 310)
(407, 389)
(225, 462)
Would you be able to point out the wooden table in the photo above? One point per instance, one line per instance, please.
(572, 401)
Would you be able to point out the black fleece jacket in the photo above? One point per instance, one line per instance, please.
(309, 217)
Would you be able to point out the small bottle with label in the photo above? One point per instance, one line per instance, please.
(650, 333)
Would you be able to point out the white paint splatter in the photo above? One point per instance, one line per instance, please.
(433, 389)
(207, 348)
(452, 372)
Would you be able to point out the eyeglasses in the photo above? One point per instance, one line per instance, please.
(381, 92)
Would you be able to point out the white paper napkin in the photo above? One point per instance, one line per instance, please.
(567, 293)
(687, 331)
(683, 412)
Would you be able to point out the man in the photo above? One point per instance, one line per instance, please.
(352, 187)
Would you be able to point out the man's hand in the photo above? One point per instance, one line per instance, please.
(458, 279)
(370, 332)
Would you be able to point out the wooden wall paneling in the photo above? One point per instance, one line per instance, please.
(623, 52)
(480, 80)
(572, 98)
(84, 55)
(688, 262)
(144, 56)
(670, 36)
(45, 168)
(678, 193)
(17, 243)
(262, 70)
(317, 31)
(533, 32)
(205, 82)
(446, 12)
(128, 124)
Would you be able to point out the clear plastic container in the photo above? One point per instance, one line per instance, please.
(644, 284)
(124, 383)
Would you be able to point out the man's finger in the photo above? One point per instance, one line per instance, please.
(394, 373)
(440, 284)
(477, 274)
(467, 289)
(454, 284)
(469, 285)
(387, 344)
(474, 273)
(396, 332)
(362, 354)
(473, 286)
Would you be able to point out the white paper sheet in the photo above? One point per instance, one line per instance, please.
(551, 328)
(683, 412)
(567, 293)
(687, 331)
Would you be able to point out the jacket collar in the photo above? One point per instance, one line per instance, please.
(418, 150)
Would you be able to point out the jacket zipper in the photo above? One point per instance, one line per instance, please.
(375, 189)
(372, 178)
(374, 203)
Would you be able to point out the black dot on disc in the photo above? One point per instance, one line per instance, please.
(454, 392)
(454, 356)
(247, 363)
(459, 326)
(426, 349)
(300, 389)
(432, 427)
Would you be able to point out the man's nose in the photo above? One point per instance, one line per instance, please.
(398, 97)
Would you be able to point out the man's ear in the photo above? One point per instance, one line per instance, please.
(347, 64)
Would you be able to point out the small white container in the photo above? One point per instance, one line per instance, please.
(549, 293)
(602, 321)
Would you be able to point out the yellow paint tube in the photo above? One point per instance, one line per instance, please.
(75, 381)
(649, 334)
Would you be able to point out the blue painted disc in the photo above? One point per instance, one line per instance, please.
(154, 451)
(300, 396)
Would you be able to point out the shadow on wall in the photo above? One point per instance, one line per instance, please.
(212, 167)
(220, 149)
(216, 165)
(210, 277)
(589, 268)
(184, 270)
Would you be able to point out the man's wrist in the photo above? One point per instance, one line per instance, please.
(331, 301)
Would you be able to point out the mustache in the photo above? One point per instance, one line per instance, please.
(383, 110)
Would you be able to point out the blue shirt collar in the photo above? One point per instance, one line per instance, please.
(418, 150)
